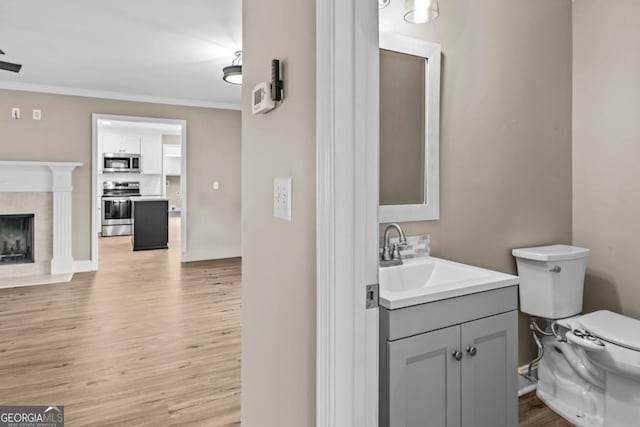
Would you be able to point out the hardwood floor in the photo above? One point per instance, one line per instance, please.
(534, 413)
(144, 341)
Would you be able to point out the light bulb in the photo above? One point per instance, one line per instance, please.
(421, 11)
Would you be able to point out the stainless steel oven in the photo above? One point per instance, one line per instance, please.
(121, 162)
(117, 207)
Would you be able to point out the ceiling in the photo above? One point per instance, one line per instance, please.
(163, 51)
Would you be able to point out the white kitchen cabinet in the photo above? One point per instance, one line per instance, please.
(131, 144)
(451, 363)
(111, 143)
(173, 166)
(116, 143)
(151, 154)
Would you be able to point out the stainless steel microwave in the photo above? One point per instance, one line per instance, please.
(121, 162)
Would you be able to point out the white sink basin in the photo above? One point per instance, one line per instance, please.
(427, 279)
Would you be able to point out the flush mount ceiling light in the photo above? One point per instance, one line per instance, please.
(421, 11)
(9, 66)
(233, 73)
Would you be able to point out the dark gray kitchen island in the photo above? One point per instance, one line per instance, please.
(150, 218)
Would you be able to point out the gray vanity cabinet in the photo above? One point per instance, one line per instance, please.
(424, 380)
(450, 363)
(489, 380)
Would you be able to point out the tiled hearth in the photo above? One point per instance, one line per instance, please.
(44, 190)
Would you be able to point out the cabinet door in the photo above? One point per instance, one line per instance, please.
(173, 165)
(424, 380)
(131, 144)
(111, 143)
(489, 371)
(151, 154)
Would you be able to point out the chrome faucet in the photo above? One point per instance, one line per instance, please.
(391, 256)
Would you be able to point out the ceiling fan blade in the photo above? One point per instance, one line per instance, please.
(10, 66)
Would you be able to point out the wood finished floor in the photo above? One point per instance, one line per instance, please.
(534, 413)
(144, 341)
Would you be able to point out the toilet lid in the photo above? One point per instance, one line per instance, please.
(613, 327)
(551, 253)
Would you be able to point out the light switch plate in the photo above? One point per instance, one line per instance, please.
(37, 114)
(15, 113)
(282, 198)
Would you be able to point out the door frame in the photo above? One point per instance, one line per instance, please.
(95, 156)
(347, 81)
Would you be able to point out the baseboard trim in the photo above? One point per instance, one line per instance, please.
(82, 266)
(524, 385)
(189, 258)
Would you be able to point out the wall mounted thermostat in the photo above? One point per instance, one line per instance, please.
(266, 94)
(261, 101)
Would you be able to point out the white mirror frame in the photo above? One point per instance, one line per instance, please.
(430, 210)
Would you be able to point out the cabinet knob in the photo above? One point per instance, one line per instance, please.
(472, 350)
(457, 355)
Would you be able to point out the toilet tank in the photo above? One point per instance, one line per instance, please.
(551, 280)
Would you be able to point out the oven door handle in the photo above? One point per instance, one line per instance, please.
(119, 200)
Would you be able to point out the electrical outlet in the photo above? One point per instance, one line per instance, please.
(216, 185)
(15, 113)
(37, 114)
(282, 198)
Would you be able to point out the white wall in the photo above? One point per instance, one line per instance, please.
(278, 259)
(606, 149)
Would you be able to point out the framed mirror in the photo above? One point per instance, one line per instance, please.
(409, 129)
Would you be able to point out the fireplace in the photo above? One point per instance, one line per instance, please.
(35, 223)
(16, 239)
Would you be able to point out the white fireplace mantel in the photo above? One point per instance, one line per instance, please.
(54, 177)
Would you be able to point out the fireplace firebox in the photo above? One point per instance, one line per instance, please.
(16, 239)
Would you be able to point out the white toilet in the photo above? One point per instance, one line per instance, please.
(590, 370)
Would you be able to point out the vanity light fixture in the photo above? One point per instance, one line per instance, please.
(233, 73)
(421, 11)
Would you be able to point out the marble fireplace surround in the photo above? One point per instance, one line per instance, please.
(44, 177)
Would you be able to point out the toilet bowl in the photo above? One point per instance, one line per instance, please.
(593, 379)
(590, 370)
(570, 385)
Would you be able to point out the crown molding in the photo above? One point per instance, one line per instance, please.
(90, 93)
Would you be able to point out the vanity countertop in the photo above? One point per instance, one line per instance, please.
(429, 279)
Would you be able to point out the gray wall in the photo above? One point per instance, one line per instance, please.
(173, 191)
(606, 149)
(64, 134)
(505, 146)
(278, 260)
(172, 183)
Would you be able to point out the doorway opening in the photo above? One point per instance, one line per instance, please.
(139, 197)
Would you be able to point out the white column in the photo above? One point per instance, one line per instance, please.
(62, 260)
